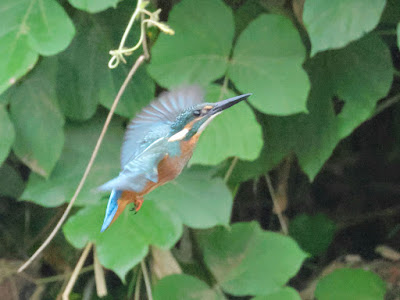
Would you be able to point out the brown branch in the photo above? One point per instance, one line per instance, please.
(146, 280)
(137, 64)
(282, 221)
(75, 273)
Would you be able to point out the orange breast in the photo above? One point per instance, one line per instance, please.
(168, 169)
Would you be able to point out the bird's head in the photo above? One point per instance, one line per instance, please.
(196, 118)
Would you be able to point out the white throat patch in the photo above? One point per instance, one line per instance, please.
(179, 135)
(205, 124)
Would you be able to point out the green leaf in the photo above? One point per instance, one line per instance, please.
(272, 68)
(11, 182)
(235, 132)
(313, 233)
(184, 287)
(29, 28)
(243, 259)
(37, 119)
(198, 199)
(7, 134)
(334, 24)
(84, 66)
(360, 75)
(286, 293)
(199, 50)
(94, 6)
(80, 139)
(246, 13)
(349, 284)
(194, 199)
(127, 241)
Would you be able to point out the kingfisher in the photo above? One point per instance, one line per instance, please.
(157, 145)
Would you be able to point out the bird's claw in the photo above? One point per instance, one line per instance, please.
(137, 205)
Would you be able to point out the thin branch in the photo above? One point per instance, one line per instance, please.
(144, 44)
(137, 64)
(146, 280)
(385, 213)
(101, 287)
(61, 276)
(137, 286)
(230, 170)
(75, 273)
(276, 205)
(386, 104)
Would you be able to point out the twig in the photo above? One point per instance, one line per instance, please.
(137, 286)
(59, 277)
(144, 44)
(230, 170)
(385, 104)
(384, 213)
(75, 273)
(101, 287)
(146, 280)
(137, 64)
(276, 205)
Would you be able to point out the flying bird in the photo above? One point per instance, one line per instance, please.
(158, 143)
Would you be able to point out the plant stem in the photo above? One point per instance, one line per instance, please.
(230, 170)
(276, 205)
(146, 280)
(75, 273)
(61, 277)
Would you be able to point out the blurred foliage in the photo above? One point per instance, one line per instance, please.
(349, 284)
(323, 120)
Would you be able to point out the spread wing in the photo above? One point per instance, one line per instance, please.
(155, 120)
(142, 168)
(146, 139)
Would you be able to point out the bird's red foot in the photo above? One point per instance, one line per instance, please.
(138, 204)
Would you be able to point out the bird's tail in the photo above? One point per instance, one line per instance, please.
(114, 208)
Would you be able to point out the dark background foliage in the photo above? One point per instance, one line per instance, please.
(295, 194)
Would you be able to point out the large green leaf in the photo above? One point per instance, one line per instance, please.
(194, 199)
(349, 284)
(199, 50)
(267, 61)
(37, 119)
(7, 134)
(200, 200)
(334, 24)
(359, 74)
(94, 6)
(83, 66)
(313, 233)
(245, 260)
(286, 293)
(80, 139)
(29, 28)
(184, 287)
(235, 132)
(126, 242)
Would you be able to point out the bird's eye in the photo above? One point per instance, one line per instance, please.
(197, 113)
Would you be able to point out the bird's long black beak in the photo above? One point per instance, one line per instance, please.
(224, 104)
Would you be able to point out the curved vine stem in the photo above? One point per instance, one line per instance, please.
(134, 68)
(152, 20)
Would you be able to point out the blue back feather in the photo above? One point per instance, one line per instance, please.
(146, 139)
